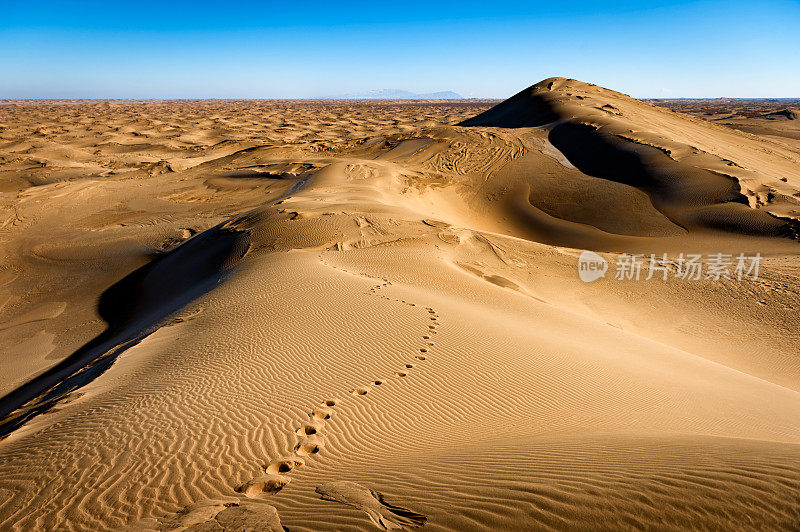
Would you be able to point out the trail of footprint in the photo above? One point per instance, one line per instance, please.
(274, 475)
(375, 290)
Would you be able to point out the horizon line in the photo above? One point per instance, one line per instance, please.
(310, 99)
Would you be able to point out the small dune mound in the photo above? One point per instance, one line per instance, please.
(217, 514)
(260, 517)
(385, 516)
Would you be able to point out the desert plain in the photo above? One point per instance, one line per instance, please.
(339, 315)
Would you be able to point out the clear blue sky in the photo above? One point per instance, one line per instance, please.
(221, 49)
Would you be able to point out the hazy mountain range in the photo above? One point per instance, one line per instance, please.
(397, 94)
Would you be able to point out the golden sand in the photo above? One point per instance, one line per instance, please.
(348, 316)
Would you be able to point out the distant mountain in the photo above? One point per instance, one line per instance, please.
(398, 94)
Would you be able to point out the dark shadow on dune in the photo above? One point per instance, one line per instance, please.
(594, 155)
(672, 186)
(524, 109)
(255, 174)
(685, 194)
(133, 308)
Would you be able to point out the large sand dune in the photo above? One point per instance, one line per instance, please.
(343, 316)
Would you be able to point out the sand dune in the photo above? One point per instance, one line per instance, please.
(350, 316)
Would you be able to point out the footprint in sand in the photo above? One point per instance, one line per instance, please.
(309, 429)
(381, 513)
(320, 413)
(308, 446)
(283, 465)
(373, 503)
(274, 478)
(263, 486)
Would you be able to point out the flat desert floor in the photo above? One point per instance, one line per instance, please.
(258, 315)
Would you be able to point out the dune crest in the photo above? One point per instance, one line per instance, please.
(696, 172)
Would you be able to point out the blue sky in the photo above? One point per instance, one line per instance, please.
(480, 49)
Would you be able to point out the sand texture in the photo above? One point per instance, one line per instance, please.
(242, 315)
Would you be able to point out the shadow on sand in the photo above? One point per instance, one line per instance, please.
(133, 308)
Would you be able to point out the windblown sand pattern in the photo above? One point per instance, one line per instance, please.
(359, 316)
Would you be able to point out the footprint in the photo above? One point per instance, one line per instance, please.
(423, 350)
(377, 382)
(359, 391)
(373, 503)
(426, 337)
(307, 447)
(409, 366)
(420, 357)
(401, 373)
(263, 486)
(283, 465)
(309, 429)
(329, 402)
(320, 413)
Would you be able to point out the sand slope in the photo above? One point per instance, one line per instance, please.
(348, 317)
